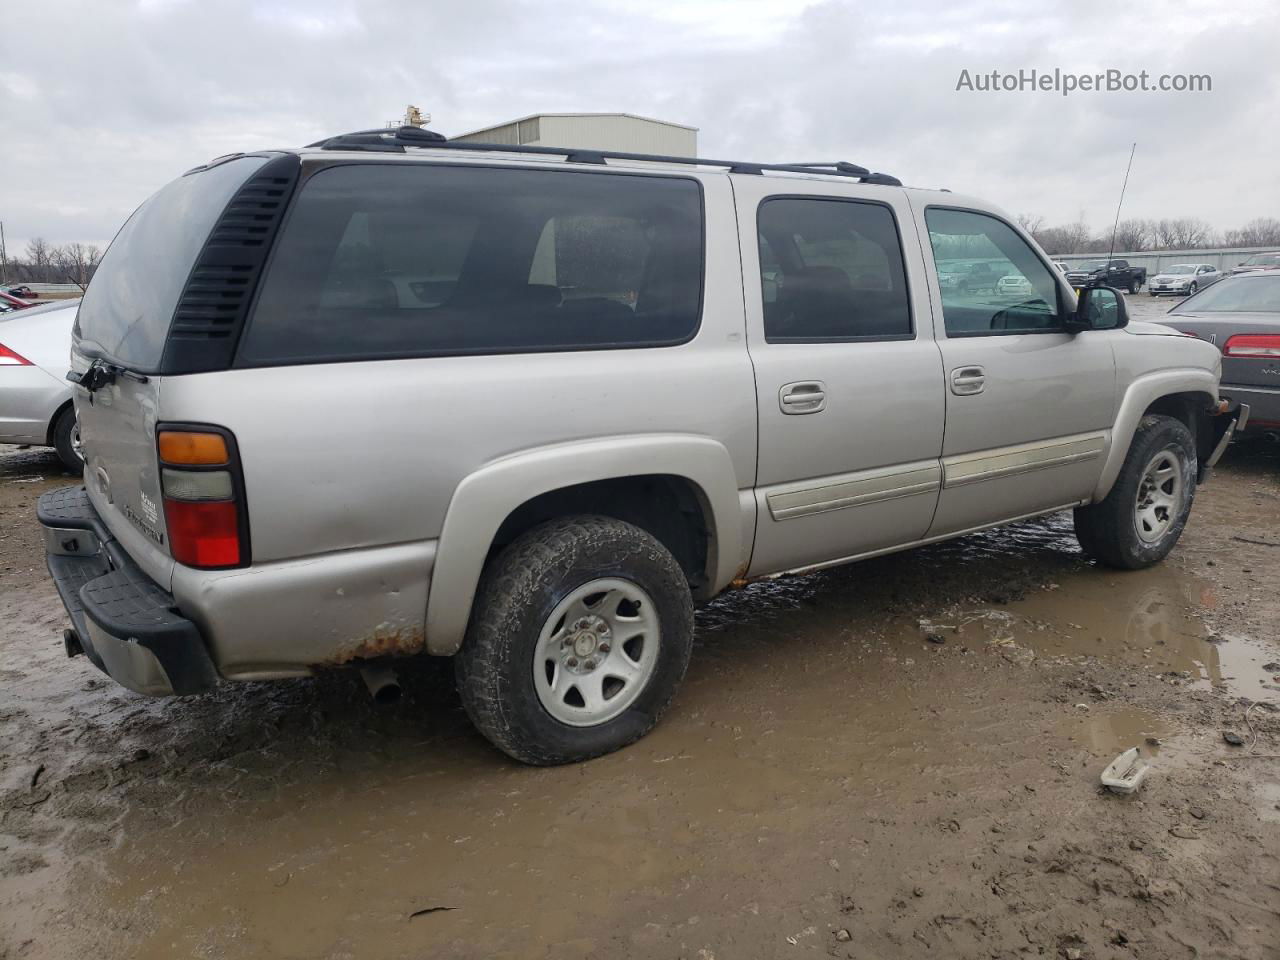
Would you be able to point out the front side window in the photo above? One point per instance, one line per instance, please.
(1023, 298)
(831, 270)
(395, 260)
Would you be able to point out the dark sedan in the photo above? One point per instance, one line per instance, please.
(1241, 316)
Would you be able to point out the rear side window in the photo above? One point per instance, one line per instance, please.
(831, 270)
(392, 260)
(128, 307)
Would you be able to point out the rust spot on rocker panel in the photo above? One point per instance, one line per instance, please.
(387, 640)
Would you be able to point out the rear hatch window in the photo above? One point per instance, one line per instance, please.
(129, 305)
(395, 260)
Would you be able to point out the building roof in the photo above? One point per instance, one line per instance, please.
(534, 116)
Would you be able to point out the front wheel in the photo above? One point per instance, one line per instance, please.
(1191, 290)
(1141, 519)
(580, 634)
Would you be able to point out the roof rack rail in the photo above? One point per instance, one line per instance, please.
(395, 141)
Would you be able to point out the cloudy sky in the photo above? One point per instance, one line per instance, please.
(106, 100)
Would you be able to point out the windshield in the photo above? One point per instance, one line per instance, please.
(1094, 265)
(127, 309)
(1263, 260)
(1179, 269)
(1244, 294)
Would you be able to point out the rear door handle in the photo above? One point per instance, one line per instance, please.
(966, 381)
(802, 396)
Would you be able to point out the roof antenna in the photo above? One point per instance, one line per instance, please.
(1116, 225)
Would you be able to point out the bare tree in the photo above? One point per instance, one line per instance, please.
(1182, 233)
(1261, 232)
(1072, 237)
(1033, 223)
(38, 256)
(1134, 235)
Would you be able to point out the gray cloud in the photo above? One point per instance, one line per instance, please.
(126, 96)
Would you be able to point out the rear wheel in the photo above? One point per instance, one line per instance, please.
(1141, 519)
(1135, 285)
(580, 634)
(66, 440)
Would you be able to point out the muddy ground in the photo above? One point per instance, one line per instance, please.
(895, 759)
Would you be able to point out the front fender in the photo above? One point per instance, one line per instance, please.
(1139, 395)
(488, 496)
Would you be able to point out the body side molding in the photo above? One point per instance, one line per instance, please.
(1022, 458)
(807, 497)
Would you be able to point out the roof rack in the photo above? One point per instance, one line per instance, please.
(395, 141)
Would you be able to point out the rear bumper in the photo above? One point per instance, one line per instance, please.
(128, 626)
(1264, 405)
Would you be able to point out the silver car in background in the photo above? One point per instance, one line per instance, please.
(1183, 279)
(35, 397)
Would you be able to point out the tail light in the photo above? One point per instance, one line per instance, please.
(8, 358)
(1260, 346)
(203, 489)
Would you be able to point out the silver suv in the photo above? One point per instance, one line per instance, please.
(390, 395)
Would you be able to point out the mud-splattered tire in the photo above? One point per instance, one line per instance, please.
(512, 629)
(1141, 519)
(64, 441)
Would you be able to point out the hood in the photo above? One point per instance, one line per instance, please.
(1147, 328)
(1174, 277)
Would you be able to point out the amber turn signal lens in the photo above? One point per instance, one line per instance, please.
(189, 448)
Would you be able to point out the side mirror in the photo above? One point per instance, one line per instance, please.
(1099, 308)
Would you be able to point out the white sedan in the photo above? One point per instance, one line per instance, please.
(35, 397)
(1014, 285)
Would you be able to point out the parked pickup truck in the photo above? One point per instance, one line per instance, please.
(390, 395)
(1111, 273)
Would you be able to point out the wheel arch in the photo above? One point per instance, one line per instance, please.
(1184, 394)
(641, 480)
(52, 429)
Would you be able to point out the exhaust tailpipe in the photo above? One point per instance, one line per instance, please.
(382, 682)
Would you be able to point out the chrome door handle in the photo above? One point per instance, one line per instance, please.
(803, 396)
(966, 381)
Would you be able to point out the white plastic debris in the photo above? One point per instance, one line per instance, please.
(1126, 772)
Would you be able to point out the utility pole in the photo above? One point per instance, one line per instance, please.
(4, 257)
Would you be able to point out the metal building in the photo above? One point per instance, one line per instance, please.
(600, 131)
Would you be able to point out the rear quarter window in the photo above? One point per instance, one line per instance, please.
(129, 305)
(397, 260)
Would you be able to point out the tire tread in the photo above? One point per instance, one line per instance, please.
(510, 586)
